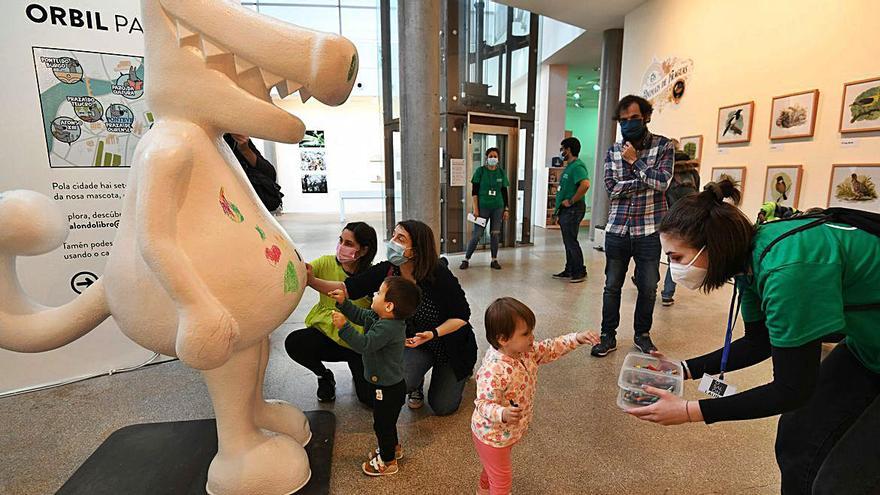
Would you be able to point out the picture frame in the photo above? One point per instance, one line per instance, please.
(735, 123)
(738, 174)
(793, 116)
(855, 186)
(860, 108)
(782, 184)
(694, 142)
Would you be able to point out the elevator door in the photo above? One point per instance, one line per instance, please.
(481, 138)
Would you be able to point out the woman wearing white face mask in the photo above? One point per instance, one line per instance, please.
(320, 341)
(439, 335)
(796, 287)
(490, 203)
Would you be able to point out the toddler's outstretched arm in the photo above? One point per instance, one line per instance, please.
(547, 351)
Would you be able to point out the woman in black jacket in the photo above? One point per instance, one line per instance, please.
(439, 336)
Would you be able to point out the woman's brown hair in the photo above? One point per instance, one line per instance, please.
(425, 257)
(705, 219)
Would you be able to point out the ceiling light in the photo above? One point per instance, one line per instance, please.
(577, 96)
(596, 87)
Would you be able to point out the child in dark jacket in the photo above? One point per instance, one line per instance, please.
(381, 346)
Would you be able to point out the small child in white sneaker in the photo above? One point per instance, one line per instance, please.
(506, 385)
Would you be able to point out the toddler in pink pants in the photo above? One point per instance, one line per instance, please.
(506, 386)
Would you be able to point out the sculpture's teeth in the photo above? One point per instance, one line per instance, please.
(304, 94)
(288, 87)
(185, 34)
(242, 65)
(252, 82)
(270, 79)
(209, 49)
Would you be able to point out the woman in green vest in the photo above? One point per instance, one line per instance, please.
(320, 342)
(490, 185)
(796, 287)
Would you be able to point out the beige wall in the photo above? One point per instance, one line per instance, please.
(755, 50)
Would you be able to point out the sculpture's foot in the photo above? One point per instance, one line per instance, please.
(281, 417)
(267, 464)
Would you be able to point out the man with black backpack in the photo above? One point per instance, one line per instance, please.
(260, 173)
(685, 181)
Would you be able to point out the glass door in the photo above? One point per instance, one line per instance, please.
(481, 138)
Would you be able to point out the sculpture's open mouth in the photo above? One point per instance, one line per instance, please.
(248, 76)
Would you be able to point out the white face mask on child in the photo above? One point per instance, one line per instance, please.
(689, 276)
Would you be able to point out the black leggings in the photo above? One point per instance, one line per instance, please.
(385, 415)
(832, 444)
(311, 348)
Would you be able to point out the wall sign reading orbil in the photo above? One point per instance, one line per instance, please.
(666, 81)
(76, 18)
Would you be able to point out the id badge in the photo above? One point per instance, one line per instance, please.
(492, 192)
(378, 394)
(715, 387)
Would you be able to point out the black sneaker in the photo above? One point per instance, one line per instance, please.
(608, 344)
(668, 301)
(576, 279)
(464, 265)
(495, 265)
(562, 274)
(643, 343)
(327, 387)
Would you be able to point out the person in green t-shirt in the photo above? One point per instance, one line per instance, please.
(490, 204)
(320, 342)
(800, 283)
(571, 208)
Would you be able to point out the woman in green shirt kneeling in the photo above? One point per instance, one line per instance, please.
(320, 342)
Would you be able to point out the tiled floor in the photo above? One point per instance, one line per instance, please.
(579, 442)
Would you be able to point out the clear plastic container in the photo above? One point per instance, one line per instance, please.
(643, 369)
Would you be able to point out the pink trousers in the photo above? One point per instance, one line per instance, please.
(497, 474)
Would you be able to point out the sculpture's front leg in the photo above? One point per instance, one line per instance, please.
(249, 461)
(278, 415)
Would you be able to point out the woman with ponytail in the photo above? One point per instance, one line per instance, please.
(796, 285)
(320, 341)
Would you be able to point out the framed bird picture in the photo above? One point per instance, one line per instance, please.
(794, 116)
(860, 110)
(735, 123)
(855, 186)
(782, 185)
(693, 146)
(736, 174)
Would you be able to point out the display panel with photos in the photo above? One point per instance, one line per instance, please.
(693, 146)
(736, 174)
(860, 110)
(855, 186)
(735, 123)
(794, 116)
(782, 185)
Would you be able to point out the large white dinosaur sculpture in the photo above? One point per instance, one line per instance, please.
(199, 268)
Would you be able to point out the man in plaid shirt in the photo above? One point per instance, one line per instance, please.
(637, 172)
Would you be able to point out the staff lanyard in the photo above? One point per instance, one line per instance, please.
(735, 304)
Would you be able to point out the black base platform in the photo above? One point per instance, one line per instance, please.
(173, 459)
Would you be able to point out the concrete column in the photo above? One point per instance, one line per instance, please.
(609, 79)
(419, 25)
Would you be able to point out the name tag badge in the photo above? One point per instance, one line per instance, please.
(714, 387)
(378, 394)
(492, 192)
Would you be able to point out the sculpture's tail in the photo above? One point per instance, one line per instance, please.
(32, 224)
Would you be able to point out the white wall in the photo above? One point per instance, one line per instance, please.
(755, 50)
(354, 155)
(549, 131)
(555, 35)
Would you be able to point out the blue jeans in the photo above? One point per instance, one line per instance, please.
(646, 253)
(570, 223)
(493, 215)
(444, 394)
(668, 285)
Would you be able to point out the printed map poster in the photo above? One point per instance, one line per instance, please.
(93, 106)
